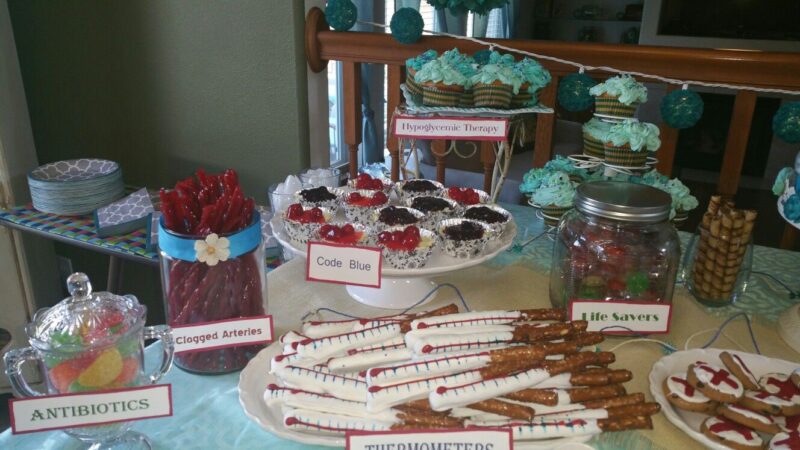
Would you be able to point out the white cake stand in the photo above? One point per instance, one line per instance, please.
(403, 288)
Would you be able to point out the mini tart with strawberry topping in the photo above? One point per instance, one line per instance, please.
(417, 188)
(463, 238)
(359, 205)
(495, 217)
(406, 247)
(366, 182)
(391, 216)
(435, 209)
(302, 224)
(343, 233)
(466, 196)
(319, 197)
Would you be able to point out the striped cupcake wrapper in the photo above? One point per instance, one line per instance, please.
(624, 156)
(467, 99)
(593, 147)
(492, 95)
(432, 96)
(612, 107)
(555, 211)
(414, 89)
(521, 100)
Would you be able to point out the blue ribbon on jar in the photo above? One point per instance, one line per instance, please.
(226, 246)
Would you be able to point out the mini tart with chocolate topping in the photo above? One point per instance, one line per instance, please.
(494, 216)
(359, 205)
(435, 209)
(302, 224)
(463, 238)
(319, 197)
(417, 188)
(406, 247)
(391, 216)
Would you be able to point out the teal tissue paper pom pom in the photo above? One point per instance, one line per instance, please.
(341, 15)
(786, 123)
(482, 56)
(573, 92)
(681, 108)
(791, 208)
(407, 25)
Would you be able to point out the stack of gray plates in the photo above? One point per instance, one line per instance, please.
(75, 187)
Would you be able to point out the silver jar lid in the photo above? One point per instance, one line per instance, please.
(623, 201)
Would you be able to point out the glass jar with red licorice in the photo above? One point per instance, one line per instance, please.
(212, 263)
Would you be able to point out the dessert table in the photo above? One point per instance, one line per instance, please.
(207, 413)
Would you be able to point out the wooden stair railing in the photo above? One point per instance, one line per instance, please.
(763, 69)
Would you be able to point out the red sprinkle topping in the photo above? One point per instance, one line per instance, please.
(298, 214)
(365, 181)
(345, 234)
(407, 239)
(465, 196)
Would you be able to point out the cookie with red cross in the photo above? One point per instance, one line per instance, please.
(749, 418)
(731, 434)
(785, 441)
(788, 423)
(769, 403)
(781, 385)
(795, 377)
(683, 395)
(715, 382)
(739, 369)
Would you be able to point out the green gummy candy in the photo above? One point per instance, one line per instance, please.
(637, 283)
(77, 387)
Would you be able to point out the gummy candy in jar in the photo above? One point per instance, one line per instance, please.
(616, 245)
(89, 341)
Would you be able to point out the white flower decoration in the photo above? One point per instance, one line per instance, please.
(213, 250)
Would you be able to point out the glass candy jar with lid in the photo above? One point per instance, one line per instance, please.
(616, 245)
(91, 341)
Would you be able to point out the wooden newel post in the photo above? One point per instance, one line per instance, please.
(351, 74)
(487, 158)
(393, 76)
(439, 150)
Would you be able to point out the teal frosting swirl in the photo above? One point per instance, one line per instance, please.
(555, 190)
(533, 73)
(439, 71)
(597, 129)
(567, 166)
(460, 61)
(639, 135)
(780, 181)
(533, 179)
(500, 68)
(417, 62)
(682, 199)
(624, 87)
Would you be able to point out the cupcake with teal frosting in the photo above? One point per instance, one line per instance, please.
(682, 199)
(595, 132)
(468, 67)
(628, 143)
(534, 78)
(618, 96)
(442, 83)
(496, 82)
(556, 196)
(561, 164)
(532, 180)
(413, 65)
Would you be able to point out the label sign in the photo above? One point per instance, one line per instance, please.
(53, 412)
(622, 317)
(466, 439)
(457, 128)
(344, 264)
(222, 334)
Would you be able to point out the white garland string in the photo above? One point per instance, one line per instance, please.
(583, 67)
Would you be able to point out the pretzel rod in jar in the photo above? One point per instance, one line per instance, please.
(507, 409)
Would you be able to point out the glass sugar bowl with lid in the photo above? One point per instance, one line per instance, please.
(91, 341)
(616, 245)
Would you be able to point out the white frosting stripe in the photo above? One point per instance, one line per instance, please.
(548, 429)
(380, 397)
(340, 343)
(333, 405)
(304, 419)
(318, 329)
(444, 397)
(291, 336)
(428, 345)
(466, 319)
(440, 365)
(362, 361)
(325, 383)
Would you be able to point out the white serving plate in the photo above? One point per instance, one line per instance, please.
(255, 378)
(439, 263)
(689, 422)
